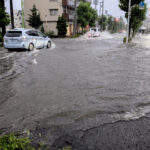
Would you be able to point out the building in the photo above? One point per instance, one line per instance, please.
(50, 10)
(17, 20)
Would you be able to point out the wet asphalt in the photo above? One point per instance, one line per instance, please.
(90, 94)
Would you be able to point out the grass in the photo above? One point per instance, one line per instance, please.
(14, 142)
(66, 148)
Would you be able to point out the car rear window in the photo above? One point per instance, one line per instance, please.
(13, 33)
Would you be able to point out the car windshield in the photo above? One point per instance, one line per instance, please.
(13, 33)
(93, 30)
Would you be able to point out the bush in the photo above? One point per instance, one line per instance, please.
(42, 29)
(75, 36)
(50, 33)
(66, 148)
(1, 37)
(12, 142)
(125, 39)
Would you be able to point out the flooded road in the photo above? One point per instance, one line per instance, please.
(76, 86)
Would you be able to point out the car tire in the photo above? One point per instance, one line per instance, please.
(48, 44)
(31, 47)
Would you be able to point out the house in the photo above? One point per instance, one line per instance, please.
(50, 10)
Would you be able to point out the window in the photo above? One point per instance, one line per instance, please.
(41, 34)
(32, 33)
(13, 34)
(53, 12)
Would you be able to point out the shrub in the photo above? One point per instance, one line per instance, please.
(66, 148)
(42, 29)
(75, 36)
(1, 37)
(12, 142)
(125, 39)
(50, 33)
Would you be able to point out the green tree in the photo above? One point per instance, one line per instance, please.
(94, 17)
(84, 14)
(122, 25)
(137, 15)
(61, 26)
(110, 23)
(102, 20)
(34, 18)
(4, 17)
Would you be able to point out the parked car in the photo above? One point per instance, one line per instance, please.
(26, 39)
(94, 32)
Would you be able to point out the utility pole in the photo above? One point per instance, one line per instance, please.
(3, 27)
(95, 4)
(102, 12)
(128, 26)
(46, 22)
(12, 14)
(75, 18)
(22, 12)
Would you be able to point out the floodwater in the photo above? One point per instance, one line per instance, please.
(77, 83)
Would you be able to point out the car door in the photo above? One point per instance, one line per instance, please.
(34, 38)
(41, 39)
(38, 39)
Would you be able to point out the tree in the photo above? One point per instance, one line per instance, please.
(93, 18)
(61, 26)
(137, 15)
(122, 25)
(34, 18)
(84, 14)
(102, 20)
(4, 21)
(110, 23)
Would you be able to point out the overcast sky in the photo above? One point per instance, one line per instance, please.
(110, 5)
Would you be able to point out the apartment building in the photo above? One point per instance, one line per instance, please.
(50, 10)
(17, 19)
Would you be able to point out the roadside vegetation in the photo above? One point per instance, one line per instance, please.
(34, 18)
(62, 26)
(86, 15)
(112, 24)
(12, 142)
(16, 142)
(4, 17)
(137, 15)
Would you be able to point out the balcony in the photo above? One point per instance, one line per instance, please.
(69, 3)
(68, 17)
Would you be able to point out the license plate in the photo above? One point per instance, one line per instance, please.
(13, 41)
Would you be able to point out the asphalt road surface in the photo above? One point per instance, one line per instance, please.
(90, 94)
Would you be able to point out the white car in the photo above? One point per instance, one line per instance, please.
(94, 32)
(26, 39)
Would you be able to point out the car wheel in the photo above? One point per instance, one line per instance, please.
(31, 47)
(48, 44)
